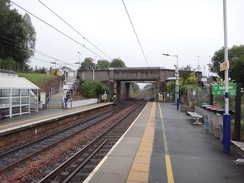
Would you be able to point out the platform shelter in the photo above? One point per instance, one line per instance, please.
(17, 97)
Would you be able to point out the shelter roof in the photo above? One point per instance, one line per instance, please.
(16, 83)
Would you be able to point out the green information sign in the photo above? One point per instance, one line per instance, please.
(220, 89)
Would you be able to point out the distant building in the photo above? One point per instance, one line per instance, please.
(60, 71)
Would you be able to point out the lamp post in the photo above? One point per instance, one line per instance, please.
(54, 63)
(79, 55)
(93, 71)
(198, 66)
(177, 94)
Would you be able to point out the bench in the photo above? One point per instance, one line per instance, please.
(198, 110)
(195, 116)
(240, 145)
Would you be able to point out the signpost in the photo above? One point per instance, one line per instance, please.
(226, 117)
(105, 97)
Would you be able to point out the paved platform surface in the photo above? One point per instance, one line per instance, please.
(9, 124)
(163, 145)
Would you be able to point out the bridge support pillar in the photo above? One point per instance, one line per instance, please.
(158, 86)
(115, 92)
(128, 89)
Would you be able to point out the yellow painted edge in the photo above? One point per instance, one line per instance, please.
(54, 107)
(169, 171)
(50, 115)
(139, 171)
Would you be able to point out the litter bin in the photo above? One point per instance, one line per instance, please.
(220, 113)
(215, 122)
(210, 119)
(40, 105)
(220, 122)
(205, 116)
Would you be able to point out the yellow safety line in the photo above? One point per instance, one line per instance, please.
(166, 151)
(139, 172)
(27, 120)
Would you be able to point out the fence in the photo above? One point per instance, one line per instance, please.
(219, 101)
(167, 97)
(200, 97)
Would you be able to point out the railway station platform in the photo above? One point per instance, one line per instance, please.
(17, 122)
(162, 145)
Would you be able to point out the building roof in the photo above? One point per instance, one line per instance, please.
(16, 83)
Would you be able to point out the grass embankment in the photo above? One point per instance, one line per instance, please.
(36, 78)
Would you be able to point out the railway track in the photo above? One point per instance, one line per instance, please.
(14, 155)
(78, 161)
(85, 127)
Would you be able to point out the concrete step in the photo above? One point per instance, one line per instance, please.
(56, 101)
(61, 90)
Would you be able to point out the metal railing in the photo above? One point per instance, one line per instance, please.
(53, 91)
(70, 93)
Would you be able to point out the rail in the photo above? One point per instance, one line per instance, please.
(76, 156)
(80, 126)
(53, 91)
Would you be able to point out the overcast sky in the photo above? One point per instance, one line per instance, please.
(187, 28)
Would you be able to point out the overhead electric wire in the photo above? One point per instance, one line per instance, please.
(52, 62)
(46, 55)
(14, 43)
(7, 38)
(135, 33)
(56, 29)
(74, 29)
(56, 63)
(41, 60)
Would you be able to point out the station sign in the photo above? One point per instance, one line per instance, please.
(220, 89)
(224, 66)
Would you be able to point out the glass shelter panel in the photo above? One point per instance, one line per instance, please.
(4, 92)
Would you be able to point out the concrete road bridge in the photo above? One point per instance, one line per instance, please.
(119, 79)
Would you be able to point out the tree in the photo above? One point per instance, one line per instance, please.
(170, 86)
(17, 35)
(88, 64)
(117, 62)
(135, 88)
(102, 65)
(188, 81)
(151, 88)
(94, 88)
(185, 72)
(236, 60)
(7, 63)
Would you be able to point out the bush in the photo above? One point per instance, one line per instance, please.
(93, 88)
